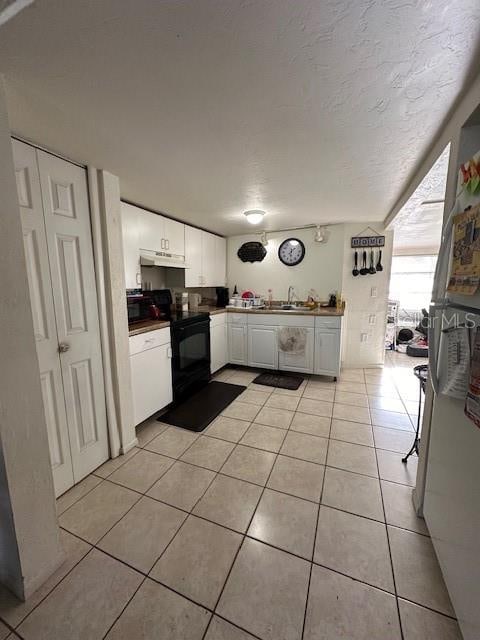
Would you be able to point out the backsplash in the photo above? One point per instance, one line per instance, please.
(167, 278)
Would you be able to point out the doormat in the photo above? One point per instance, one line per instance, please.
(198, 411)
(280, 380)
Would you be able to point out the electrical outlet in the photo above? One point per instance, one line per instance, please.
(372, 319)
(363, 337)
(373, 292)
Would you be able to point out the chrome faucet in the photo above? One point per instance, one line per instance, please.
(291, 294)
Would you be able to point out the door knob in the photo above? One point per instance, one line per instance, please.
(63, 347)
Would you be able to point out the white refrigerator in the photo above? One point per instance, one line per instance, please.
(451, 498)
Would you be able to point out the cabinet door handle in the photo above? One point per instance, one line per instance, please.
(162, 243)
(167, 242)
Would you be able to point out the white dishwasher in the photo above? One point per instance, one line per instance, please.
(151, 370)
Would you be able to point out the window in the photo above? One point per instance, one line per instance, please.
(411, 284)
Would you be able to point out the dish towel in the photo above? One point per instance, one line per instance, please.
(292, 340)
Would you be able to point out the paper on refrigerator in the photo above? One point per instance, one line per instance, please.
(455, 383)
(472, 400)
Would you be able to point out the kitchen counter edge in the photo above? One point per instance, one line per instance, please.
(161, 324)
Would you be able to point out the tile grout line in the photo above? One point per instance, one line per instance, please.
(244, 535)
(315, 536)
(390, 554)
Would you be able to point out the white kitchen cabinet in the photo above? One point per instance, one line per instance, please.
(220, 261)
(209, 278)
(302, 363)
(327, 352)
(262, 347)
(174, 237)
(131, 252)
(150, 230)
(151, 373)
(205, 256)
(193, 257)
(157, 233)
(237, 344)
(218, 342)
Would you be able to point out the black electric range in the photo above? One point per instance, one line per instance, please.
(190, 339)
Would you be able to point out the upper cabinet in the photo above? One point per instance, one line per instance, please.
(157, 233)
(193, 257)
(131, 244)
(174, 237)
(220, 261)
(205, 253)
(205, 256)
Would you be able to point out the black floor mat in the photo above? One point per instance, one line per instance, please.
(280, 380)
(198, 411)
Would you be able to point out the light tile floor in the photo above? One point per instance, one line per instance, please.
(289, 518)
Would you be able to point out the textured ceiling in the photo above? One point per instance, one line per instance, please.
(418, 224)
(314, 110)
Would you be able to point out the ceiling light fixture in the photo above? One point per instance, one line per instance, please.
(254, 216)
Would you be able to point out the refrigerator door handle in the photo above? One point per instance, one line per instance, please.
(433, 348)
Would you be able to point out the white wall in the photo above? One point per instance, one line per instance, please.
(362, 307)
(321, 269)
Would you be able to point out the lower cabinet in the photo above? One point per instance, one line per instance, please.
(151, 372)
(237, 344)
(262, 347)
(252, 341)
(218, 343)
(327, 352)
(302, 363)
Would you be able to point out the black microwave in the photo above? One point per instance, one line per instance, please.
(142, 307)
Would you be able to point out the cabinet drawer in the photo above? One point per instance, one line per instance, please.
(149, 340)
(217, 319)
(325, 322)
(237, 318)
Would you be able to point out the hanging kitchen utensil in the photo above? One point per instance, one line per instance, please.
(364, 270)
(379, 262)
(372, 269)
(355, 270)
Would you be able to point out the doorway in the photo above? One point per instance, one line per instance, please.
(55, 217)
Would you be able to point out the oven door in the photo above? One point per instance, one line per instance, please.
(190, 356)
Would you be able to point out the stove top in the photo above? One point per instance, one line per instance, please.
(180, 317)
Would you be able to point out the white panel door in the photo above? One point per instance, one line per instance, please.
(237, 344)
(193, 257)
(327, 352)
(303, 363)
(208, 259)
(67, 224)
(218, 347)
(220, 261)
(36, 256)
(174, 237)
(262, 347)
(131, 244)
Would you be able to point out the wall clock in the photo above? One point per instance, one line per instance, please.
(291, 252)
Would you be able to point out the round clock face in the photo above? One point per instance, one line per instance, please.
(291, 252)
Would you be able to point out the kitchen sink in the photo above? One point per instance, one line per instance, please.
(289, 307)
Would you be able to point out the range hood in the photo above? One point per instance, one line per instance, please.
(162, 259)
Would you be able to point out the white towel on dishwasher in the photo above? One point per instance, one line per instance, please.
(292, 340)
